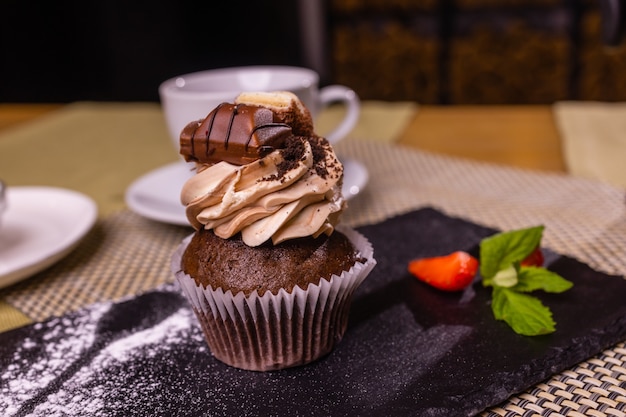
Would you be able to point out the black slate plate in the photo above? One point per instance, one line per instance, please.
(409, 349)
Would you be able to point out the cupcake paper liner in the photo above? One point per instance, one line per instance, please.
(276, 331)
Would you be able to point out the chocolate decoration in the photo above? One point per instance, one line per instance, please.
(238, 134)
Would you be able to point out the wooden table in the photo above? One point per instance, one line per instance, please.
(521, 136)
(15, 114)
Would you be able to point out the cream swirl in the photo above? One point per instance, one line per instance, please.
(290, 193)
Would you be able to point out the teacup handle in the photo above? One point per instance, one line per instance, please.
(339, 93)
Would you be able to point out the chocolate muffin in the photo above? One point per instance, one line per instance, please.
(269, 272)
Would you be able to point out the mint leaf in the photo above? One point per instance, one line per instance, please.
(531, 278)
(500, 266)
(524, 313)
(506, 277)
(504, 249)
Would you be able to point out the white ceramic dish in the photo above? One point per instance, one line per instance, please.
(155, 195)
(355, 178)
(40, 226)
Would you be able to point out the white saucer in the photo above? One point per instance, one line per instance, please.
(156, 195)
(355, 177)
(40, 226)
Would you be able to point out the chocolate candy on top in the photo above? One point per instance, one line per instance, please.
(235, 133)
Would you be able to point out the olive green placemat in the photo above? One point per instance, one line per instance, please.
(11, 317)
(380, 121)
(95, 148)
(594, 139)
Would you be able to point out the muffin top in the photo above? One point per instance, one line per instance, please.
(261, 172)
(232, 265)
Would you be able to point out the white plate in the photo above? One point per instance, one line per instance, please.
(40, 226)
(355, 177)
(156, 195)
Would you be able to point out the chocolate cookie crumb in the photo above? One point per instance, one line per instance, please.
(319, 146)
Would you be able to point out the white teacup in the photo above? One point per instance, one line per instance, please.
(192, 96)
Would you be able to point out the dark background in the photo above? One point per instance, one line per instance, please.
(430, 51)
(67, 50)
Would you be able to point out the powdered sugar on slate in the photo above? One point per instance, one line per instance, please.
(36, 362)
(68, 365)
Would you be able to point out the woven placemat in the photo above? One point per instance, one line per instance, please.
(593, 139)
(585, 219)
(126, 254)
(596, 387)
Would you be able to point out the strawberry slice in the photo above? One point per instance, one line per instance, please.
(452, 272)
(534, 259)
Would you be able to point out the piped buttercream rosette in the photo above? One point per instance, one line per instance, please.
(273, 197)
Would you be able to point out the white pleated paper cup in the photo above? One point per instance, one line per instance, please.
(276, 331)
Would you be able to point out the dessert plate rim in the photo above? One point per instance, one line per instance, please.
(41, 225)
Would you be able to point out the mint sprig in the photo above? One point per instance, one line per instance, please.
(500, 266)
(502, 250)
